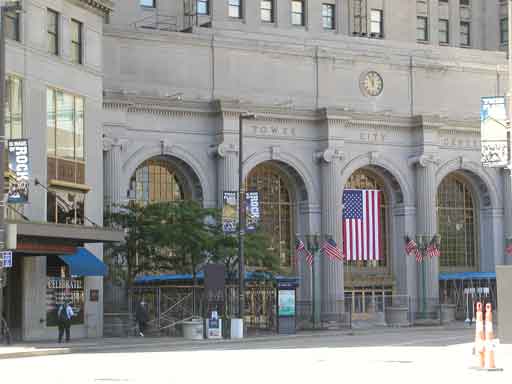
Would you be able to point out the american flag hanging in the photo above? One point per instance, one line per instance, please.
(432, 250)
(301, 251)
(331, 250)
(361, 224)
(508, 249)
(411, 248)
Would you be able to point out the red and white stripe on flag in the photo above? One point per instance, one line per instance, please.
(361, 224)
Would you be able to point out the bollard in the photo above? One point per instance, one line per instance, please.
(479, 335)
(489, 337)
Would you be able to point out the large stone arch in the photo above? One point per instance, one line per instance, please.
(185, 158)
(398, 186)
(297, 169)
(485, 188)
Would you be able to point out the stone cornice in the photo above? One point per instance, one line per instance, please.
(103, 6)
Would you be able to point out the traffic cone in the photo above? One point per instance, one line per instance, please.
(489, 337)
(479, 335)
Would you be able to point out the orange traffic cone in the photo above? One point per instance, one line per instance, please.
(489, 337)
(479, 335)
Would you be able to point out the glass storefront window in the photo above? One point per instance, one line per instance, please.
(65, 207)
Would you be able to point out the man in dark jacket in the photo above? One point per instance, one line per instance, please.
(64, 315)
(142, 317)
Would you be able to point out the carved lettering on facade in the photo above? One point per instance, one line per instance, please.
(373, 137)
(459, 142)
(272, 130)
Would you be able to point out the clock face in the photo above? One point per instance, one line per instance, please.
(372, 84)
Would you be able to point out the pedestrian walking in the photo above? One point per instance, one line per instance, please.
(142, 317)
(64, 315)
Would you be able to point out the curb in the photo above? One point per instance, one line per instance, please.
(36, 353)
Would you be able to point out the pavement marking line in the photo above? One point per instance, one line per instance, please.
(412, 343)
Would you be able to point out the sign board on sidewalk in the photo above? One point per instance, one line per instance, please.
(494, 143)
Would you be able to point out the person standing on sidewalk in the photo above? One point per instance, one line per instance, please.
(64, 316)
(142, 317)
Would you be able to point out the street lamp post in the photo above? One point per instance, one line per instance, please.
(13, 6)
(241, 216)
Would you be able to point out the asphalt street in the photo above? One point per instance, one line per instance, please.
(390, 355)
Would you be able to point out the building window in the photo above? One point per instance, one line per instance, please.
(52, 26)
(148, 3)
(235, 9)
(203, 7)
(464, 3)
(465, 34)
(367, 179)
(276, 208)
(76, 42)
(12, 25)
(13, 108)
(156, 180)
(267, 11)
(444, 31)
(456, 222)
(298, 12)
(504, 30)
(421, 28)
(328, 16)
(65, 206)
(358, 17)
(376, 22)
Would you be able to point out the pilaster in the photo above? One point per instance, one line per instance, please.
(507, 205)
(112, 167)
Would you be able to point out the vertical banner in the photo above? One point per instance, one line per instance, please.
(230, 211)
(20, 166)
(493, 118)
(252, 210)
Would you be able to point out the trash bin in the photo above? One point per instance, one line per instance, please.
(193, 329)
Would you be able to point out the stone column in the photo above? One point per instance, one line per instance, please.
(227, 164)
(113, 191)
(507, 205)
(426, 219)
(332, 279)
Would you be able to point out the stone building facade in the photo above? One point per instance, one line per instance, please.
(384, 95)
(54, 81)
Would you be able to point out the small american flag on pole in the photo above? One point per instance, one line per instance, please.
(411, 248)
(361, 224)
(331, 250)
(301, 251)
(432, 250)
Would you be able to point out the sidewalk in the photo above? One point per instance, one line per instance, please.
(30, 349)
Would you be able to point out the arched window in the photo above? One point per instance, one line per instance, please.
(276, 208)
(155, 180)
(366, 179)
(456, 223)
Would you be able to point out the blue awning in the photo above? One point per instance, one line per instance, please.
(84, 263)
(468, 276)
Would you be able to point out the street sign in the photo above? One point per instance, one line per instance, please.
(6, 259)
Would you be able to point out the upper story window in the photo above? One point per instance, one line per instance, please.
(358, 17)
(376, 22)
(504, 30)
(148, 3)
(203, 7)
(328, 16)
(235, 9)
(52, 26)
(421, 28)
(465, 34)
(465, 2)
(444, 31)
(267, 11)
(298, 12)
(443, 1)
(76, 41)
(12, 25)
(13, 107)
